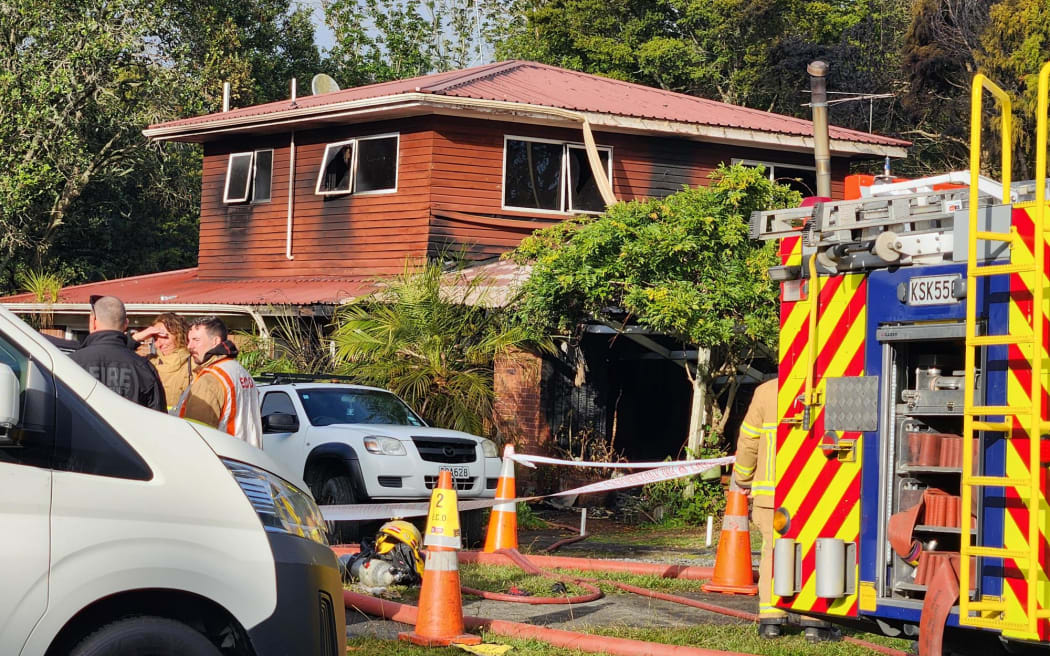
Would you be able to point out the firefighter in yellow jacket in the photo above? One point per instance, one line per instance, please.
(755, 473)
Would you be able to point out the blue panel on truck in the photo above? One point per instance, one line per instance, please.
(885, 289)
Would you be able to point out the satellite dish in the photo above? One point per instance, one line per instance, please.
(323, 84)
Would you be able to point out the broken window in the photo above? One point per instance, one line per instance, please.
(800, 178)
(362, 165)
(551, 176)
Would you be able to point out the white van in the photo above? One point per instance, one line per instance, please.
(126, 531)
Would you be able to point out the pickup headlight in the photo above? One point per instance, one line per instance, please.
(489, 448)
(280, 505)
(384, 446)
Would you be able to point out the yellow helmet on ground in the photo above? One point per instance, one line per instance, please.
(401, 536)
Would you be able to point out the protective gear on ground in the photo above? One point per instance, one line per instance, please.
(400, 542)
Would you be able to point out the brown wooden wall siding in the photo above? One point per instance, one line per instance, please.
(468, 169)
(332, 236)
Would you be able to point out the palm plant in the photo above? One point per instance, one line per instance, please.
(45, 288)
(427, 336)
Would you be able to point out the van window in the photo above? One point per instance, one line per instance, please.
(86, 444)
(30, 442)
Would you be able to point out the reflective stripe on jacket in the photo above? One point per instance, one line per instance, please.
(756, 445)
(224, 395)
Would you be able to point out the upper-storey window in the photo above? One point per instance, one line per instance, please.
(551, 176)
(361, 165)
(248, 177)
(801, 178)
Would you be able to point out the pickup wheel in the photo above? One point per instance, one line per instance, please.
(331, 487)
(157, 636)
(472, 528)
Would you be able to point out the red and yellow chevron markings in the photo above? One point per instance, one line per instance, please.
(820, 491)
(1018, 506)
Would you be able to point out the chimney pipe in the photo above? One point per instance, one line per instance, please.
(225, 96)
(821, 146)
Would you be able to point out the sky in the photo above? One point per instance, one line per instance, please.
(323, 36)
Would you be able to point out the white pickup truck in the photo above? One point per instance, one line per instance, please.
(354, 444)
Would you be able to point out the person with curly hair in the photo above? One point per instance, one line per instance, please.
(171, 358)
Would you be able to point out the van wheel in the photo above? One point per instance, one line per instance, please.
(332, 488)
(156, 636)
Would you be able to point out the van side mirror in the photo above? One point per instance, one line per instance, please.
(10, 397)
(280, 422)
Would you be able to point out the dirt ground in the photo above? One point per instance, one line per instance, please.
(608, 538)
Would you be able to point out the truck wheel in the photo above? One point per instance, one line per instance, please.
(333, 488)
(472, 528)
(156, 636)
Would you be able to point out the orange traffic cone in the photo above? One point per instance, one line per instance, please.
(733, 561)
(440, 619)
(503, 520)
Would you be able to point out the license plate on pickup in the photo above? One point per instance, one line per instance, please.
(457, 472)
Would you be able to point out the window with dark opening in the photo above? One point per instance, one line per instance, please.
(362, 165)
(584, 195)
(248, 177)
(552, 176)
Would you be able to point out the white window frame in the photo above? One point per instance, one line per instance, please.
(564, 200)
(353, 166)
(249, 191)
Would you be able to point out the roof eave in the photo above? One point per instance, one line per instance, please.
(741, 136)
(422, 103)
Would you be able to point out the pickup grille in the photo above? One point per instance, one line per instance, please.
(446, 450)
(458, 483)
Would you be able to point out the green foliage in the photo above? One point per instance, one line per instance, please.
(294, 346)
(81, 190)
(682, 265)
(378, 41)
(45, 288)
(685, 501)
(427, 337)
(527, 519)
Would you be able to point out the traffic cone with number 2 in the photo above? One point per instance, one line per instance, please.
(440, 619)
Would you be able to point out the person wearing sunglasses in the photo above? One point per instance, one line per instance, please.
(106, 355)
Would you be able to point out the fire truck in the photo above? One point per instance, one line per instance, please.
(912, 452)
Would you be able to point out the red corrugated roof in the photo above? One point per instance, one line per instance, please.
(183, 286)
(550, 86)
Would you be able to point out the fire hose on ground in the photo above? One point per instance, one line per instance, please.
(582, 641)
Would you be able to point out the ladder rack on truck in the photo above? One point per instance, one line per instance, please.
(913, 387)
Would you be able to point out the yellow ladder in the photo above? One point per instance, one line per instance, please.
(990, 612)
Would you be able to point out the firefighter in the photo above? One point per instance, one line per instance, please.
(755, 474)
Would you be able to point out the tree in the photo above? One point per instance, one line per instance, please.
(431, 341)
(78, 82)
(81, 191)
(379, 41)
(1014, 46)
(939, 58)
(683, 266)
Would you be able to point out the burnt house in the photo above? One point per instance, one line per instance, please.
(306, 200)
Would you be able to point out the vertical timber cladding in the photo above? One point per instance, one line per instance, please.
(1016, 517)
(819, 490)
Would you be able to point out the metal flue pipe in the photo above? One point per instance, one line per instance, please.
(821, 143)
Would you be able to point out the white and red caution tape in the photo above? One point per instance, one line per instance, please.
(655, 472)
